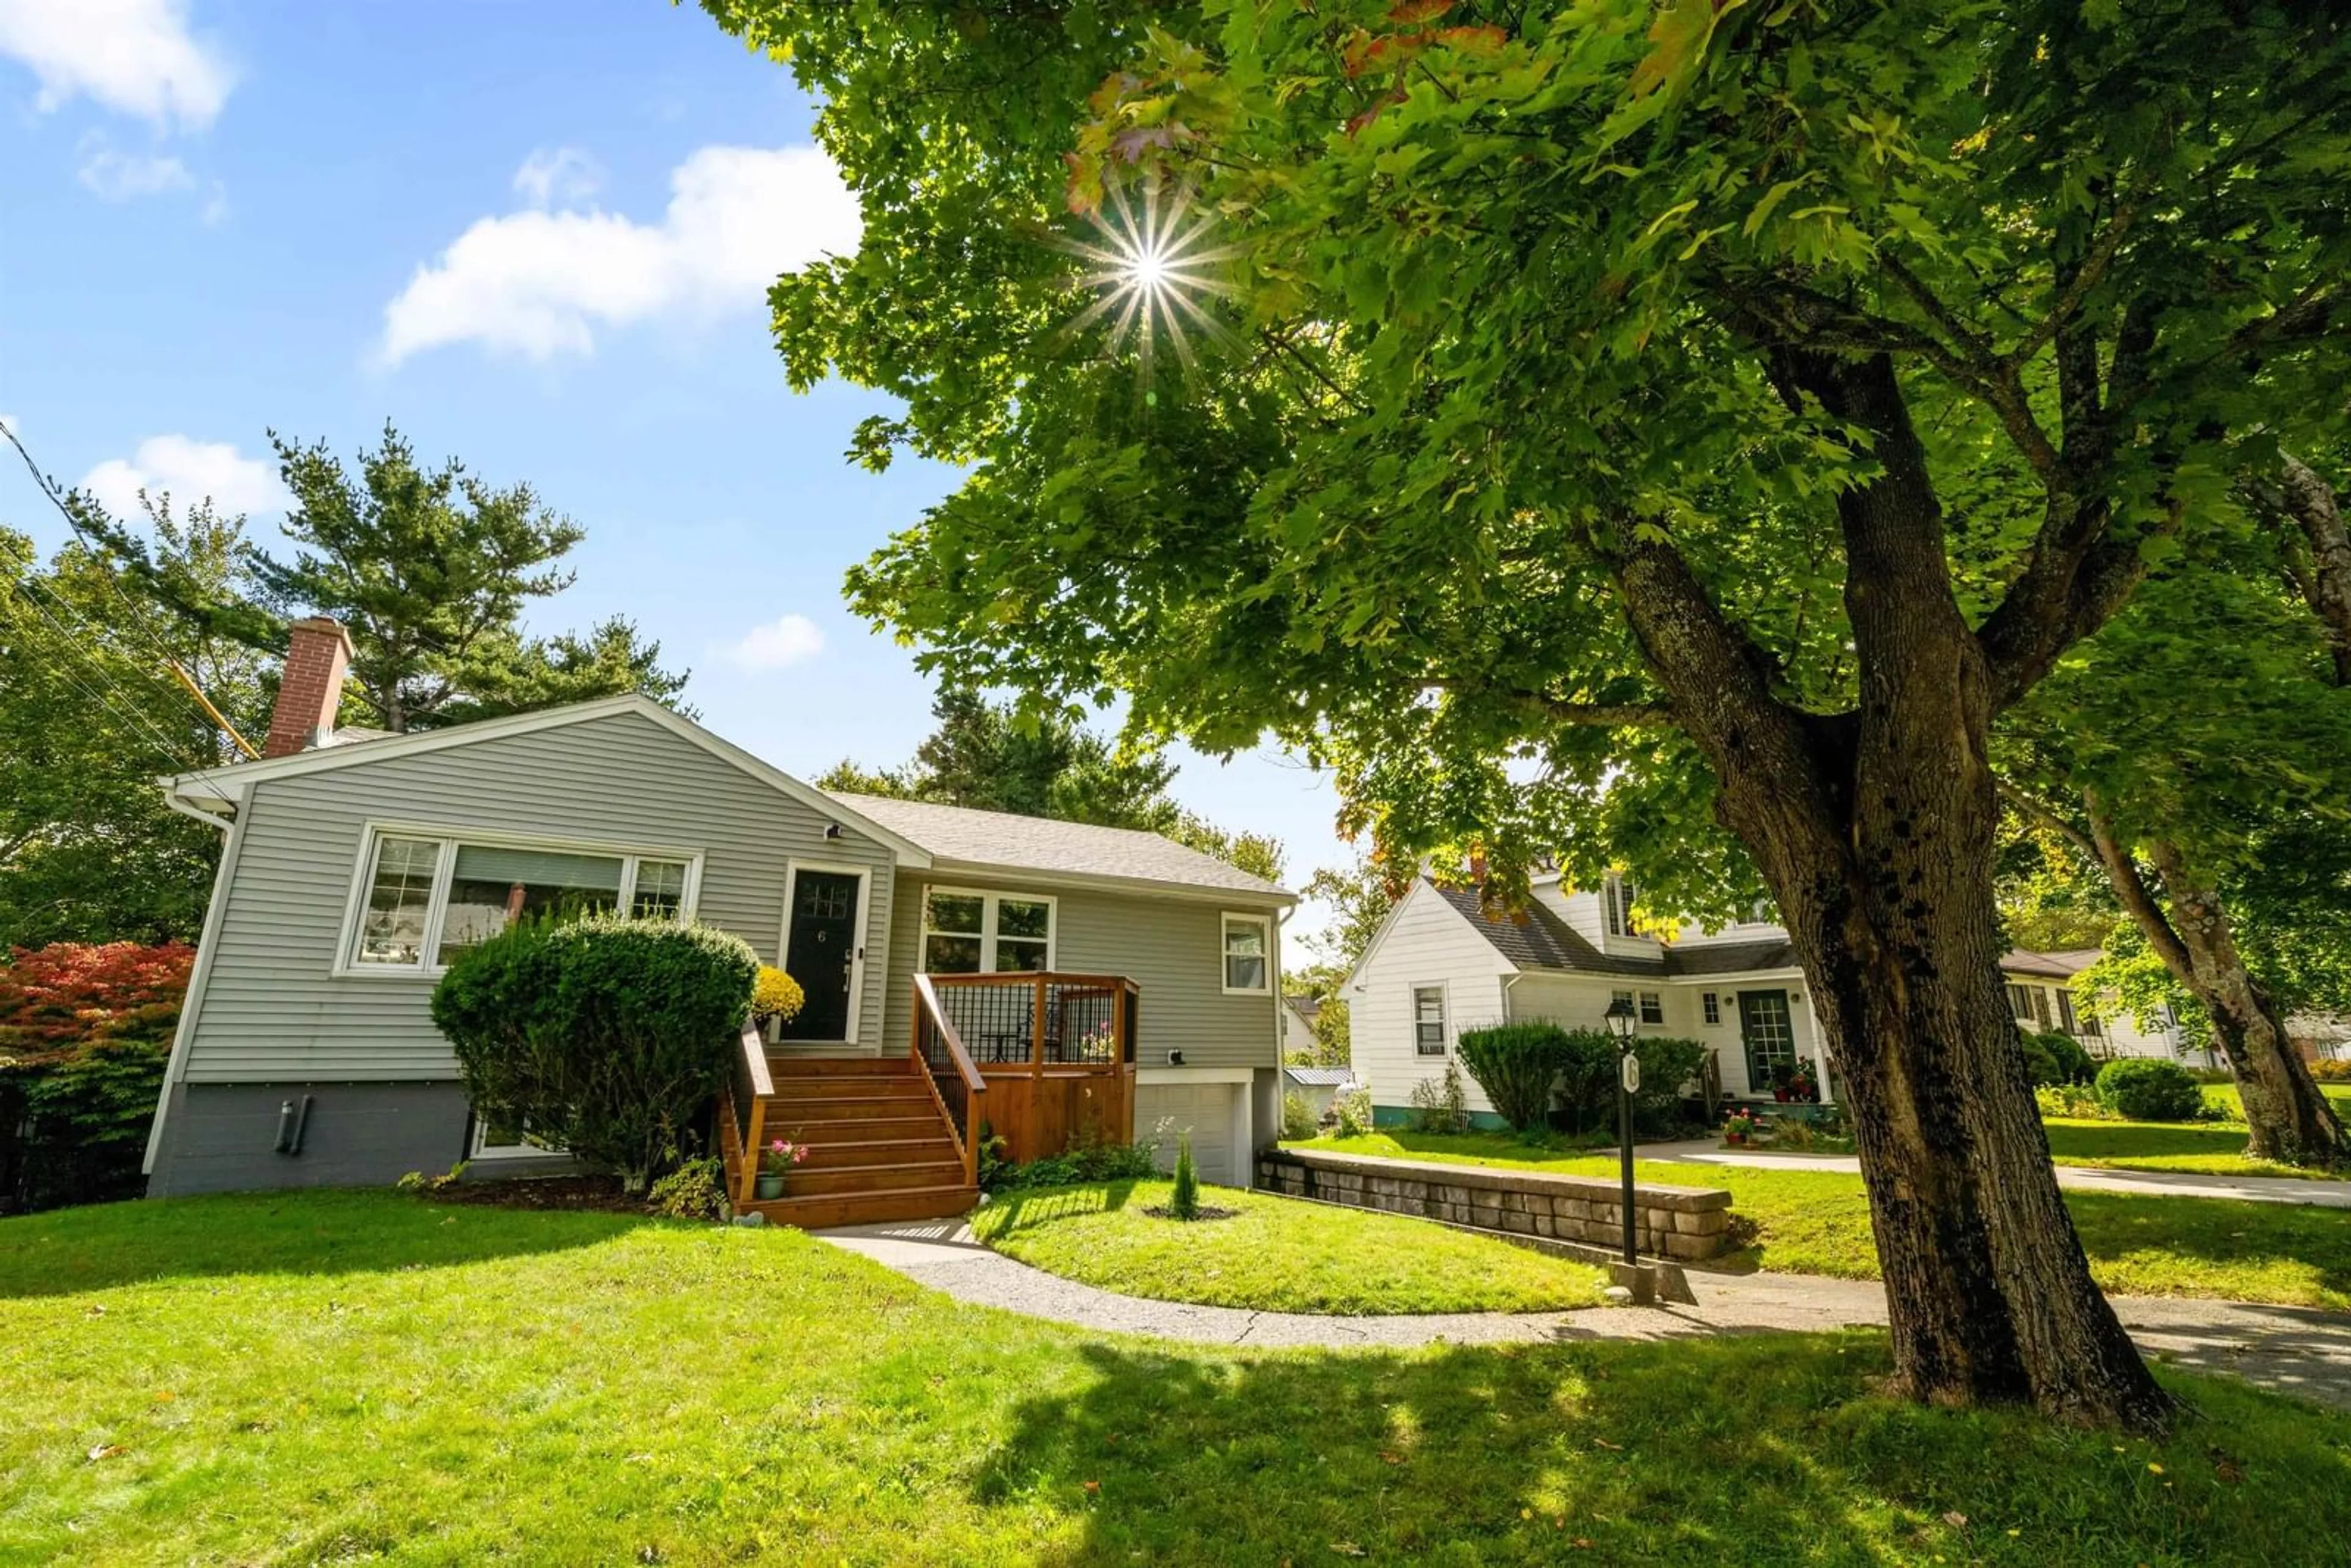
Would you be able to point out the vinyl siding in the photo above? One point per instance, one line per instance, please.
(1427, 942)
(272, 1009)
(1171, 947)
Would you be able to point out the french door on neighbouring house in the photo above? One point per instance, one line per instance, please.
(820, 951)
(1769, 1035)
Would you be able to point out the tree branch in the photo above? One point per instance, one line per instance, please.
(2139, 900)
(2030, 807)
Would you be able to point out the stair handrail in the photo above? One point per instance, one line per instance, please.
(965, 1129)
(760, 1085)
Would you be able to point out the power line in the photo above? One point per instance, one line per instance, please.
(132, 619)
(155, 736)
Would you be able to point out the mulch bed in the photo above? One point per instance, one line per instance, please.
(1207, 1211)
(593, 1194)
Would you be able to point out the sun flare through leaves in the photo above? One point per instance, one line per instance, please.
(1150, 266)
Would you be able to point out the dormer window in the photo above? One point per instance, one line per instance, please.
(1619, 897)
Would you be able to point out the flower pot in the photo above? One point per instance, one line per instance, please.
(1736, 1140)
(770, 1185)
(1781, 1095)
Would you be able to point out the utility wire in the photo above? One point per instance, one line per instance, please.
(132, 618)
(153, 736)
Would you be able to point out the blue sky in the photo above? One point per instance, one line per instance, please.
(533, 235)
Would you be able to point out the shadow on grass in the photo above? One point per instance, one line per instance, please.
(1732, 1449)
(294, 1232)
(1030, 1208)
(2311, 1242)
(2142, 1140)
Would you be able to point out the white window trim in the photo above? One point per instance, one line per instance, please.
(1444, 989)
(988, 897)
(1641, 1008)
(476, 1149)
(1225, 920)
(346, 966)
(864, 875)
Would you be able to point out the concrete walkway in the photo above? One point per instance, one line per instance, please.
(2291, 1350)
(2085, 1179)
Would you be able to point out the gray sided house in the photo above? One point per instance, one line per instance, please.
(354, 869)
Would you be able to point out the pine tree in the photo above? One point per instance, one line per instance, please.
(1185, 1202)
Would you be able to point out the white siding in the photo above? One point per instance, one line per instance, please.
(1425, 943)
(274, 1011)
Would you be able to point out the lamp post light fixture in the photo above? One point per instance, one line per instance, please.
(1621, 1020)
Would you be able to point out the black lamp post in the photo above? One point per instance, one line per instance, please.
(1621, 1020)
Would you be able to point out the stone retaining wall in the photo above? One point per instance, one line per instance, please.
(1688, 1224)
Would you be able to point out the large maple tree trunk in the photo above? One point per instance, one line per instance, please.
(2287, 1116)
(1875, 830)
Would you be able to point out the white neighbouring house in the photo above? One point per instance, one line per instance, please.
(1440, 964)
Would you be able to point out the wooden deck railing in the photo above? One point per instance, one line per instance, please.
(1055, 1051)
(947, 1067)
(753, 1085)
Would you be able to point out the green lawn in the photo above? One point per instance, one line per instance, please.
(1817, 1222)
(2195, 1148)
(344, 1376)
(1276, 1254)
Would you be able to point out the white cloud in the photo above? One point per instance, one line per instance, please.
(540, 283)
(563, 174)
(135, 56)
(125, 176)
(785, 641)
(188, 471)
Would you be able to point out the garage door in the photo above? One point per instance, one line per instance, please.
(1206, 1109)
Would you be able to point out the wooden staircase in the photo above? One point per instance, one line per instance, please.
(881, 1146)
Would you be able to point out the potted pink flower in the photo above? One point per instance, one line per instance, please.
(776, 1163)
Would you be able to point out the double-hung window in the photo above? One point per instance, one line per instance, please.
(427, 897)
(1249, 958)
(2020, 1002)
(1712, 1004)
(972, 933)
(1428, 1019)
(1653, 1008)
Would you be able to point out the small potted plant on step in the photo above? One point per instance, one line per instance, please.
(1739, 1130)
(776, 1163)
(776, 998)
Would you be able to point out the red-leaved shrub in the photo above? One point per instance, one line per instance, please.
(85, 1030)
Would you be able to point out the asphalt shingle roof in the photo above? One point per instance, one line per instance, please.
(2055, 966)
(1013, 843)
(1535, 938)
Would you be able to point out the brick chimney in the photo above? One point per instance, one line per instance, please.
(317, 655)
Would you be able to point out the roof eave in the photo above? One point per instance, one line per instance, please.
(1271, 897)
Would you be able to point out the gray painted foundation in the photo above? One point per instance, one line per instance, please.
(220, 1137)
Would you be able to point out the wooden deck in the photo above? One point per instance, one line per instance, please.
(1038, 1062)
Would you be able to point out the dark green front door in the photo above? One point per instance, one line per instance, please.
(1769, 1034)
(820, 952)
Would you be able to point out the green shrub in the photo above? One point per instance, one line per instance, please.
(605, 1036)
(1441, 1104)
(1352, 1112)
(1517, 1064)
(2071, 1100)
(695, 1190)
(2331, 1070)
(1094, 1160)
(2040, 1066)
(1588, 1081)
(1184, 1203)
(2145, 1089)
(1669, 1066)
(1297, 1118)
(2072, 1063)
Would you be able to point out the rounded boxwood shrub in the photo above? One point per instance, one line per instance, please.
(2071, 1063)
(2148, 1089)
(2040, 1065)
(604, 1036)
(1517, 1064)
